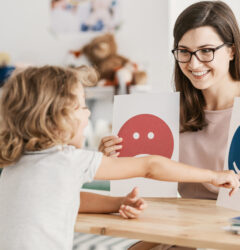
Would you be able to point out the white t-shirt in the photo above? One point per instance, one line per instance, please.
(40, 197)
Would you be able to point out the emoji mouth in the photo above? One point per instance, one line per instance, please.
(141, 155)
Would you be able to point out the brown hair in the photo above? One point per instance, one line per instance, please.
(36, 109)
(218, 15)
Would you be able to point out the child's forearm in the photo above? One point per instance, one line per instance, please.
(96, 203)
(162, 168)
(155, 167)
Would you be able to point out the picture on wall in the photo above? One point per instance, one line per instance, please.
(74, 16)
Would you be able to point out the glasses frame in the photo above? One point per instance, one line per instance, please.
(194, 53)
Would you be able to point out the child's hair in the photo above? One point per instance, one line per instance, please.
(36, 109)
(218, 15)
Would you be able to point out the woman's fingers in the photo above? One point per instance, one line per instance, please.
(114, 154)
(108, 150)
(109, 145)
(112, 142)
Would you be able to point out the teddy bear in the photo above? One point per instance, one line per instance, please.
(114, 69)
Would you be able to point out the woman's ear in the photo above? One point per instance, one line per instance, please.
(232, 52)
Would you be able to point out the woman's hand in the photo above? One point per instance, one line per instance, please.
(109, 145)
(227, 179)
(132, 205)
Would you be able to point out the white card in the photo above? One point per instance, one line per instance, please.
(232, 158)
(148, 124)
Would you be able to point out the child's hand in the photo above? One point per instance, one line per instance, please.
(227, 179)
(132, 205)
(109, 145)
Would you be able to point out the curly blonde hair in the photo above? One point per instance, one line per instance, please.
(36, 109)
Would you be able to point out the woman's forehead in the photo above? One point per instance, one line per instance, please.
(201, 36)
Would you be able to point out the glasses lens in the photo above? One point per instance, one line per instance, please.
(205, 55)
(182, 55)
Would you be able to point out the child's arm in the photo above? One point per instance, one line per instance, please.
(164, 169)
(129, 206)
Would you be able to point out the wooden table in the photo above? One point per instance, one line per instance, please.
(185, 222)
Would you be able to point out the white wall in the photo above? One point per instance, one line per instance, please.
(27, 36)
(177, 6)
(145, 37)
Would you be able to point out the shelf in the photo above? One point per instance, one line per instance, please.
(102, 93)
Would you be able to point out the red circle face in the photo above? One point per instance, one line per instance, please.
(146, 134)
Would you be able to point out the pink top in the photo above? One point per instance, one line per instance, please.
(205, 149)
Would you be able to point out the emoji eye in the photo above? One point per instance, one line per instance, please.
(136, 135)
(150, 135)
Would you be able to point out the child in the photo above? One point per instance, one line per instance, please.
(44, 115)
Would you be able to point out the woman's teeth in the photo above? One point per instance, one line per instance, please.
(199, 73)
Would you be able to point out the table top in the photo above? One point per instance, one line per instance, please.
(184, 222)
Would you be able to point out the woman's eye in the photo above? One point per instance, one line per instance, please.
(183, 51)
(205, 51)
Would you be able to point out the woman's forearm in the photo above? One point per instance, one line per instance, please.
(96, 203)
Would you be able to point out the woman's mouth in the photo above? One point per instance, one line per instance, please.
(199, 74)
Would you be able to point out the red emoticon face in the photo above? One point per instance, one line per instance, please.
(146, 134)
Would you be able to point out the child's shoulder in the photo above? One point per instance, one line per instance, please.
(62, 154)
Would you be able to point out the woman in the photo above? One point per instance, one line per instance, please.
(207, 75)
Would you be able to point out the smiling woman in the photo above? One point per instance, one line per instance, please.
(203, 57)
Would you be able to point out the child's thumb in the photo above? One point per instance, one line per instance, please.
(133, 193)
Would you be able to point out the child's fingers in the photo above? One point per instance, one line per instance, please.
(131, 212)
(231, 192)
(126, 215)
(141, 204)
(134, 193)
(123, 214)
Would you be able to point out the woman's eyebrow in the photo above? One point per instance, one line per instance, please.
(199, 47)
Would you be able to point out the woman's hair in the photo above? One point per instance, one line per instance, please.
(218, 15)
(36, 109)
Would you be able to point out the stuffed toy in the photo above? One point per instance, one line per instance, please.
(114, 69)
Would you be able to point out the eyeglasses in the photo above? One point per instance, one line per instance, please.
(203, 55)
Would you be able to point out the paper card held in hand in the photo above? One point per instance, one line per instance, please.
(232, 159)
(149, 125)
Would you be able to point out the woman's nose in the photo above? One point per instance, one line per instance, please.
(194, 62)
